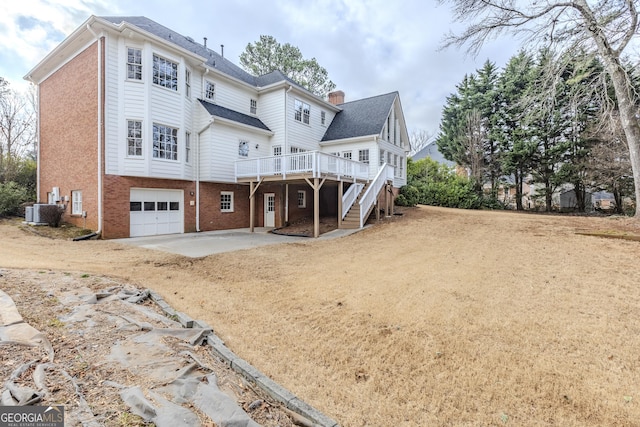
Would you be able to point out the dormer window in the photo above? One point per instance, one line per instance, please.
(134, 64)
(253, 107)
(210, 91)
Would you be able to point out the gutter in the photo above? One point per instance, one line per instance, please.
(100, 178)
(197, 159)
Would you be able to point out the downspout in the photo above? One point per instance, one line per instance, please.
(207, 126)
(100, 183)
(37, 138)
(284, 148)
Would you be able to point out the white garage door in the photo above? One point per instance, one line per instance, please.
(155, 212)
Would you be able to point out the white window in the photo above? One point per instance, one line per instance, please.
(187, 147)
(363, 155)
(346, 155)
(302, 111)
(253, 108)
(226, 201)
(165, 142)
(76, 202)
(302, 199)
(210, 90)
(323, 118)
(165, 73)
(187, 83)
(243, 148)
(134, 138)
(134, 63)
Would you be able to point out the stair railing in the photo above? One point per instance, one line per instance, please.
(350, 197)
(385, 173)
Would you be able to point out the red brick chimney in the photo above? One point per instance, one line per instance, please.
(336, 97)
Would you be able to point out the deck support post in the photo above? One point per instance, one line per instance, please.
(316, 185)
(386, 200)
(252, 206)
(252, 203)
(340, 191)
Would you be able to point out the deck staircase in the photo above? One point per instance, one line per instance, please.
(352, 219)
(366, 199)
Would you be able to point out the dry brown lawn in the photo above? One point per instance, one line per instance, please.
(441, 317)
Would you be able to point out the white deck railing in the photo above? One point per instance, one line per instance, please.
(369, 197)
(313, 163)
(350, 197)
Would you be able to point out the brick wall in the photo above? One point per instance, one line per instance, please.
(69, 134)
(211, 218)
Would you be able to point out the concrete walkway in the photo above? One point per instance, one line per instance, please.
(197, 245)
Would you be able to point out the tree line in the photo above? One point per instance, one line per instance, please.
(544, 119)
(574, 39)
(17, 148)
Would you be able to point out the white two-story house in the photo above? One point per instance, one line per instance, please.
(144, 131)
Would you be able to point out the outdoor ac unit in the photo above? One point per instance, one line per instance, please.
(36, 212)
(28, 214)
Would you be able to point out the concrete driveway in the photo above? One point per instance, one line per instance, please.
(197, 245)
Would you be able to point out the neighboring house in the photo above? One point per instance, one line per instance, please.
(143, 131)
(566, 200)
(431, 150)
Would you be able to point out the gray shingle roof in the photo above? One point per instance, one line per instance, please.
(431, 150)
(214, 59)
(225, 113)
(361, 118)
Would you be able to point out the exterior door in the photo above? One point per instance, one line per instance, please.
(269, 210)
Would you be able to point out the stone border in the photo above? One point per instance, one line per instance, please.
(266, 384)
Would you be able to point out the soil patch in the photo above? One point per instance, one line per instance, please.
(438, 317)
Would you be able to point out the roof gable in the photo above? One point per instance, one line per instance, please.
(361, 118)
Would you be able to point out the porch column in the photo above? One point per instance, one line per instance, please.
(340, 190)
(316, 207)
(286, 204)
(252, 206)
(386, 200)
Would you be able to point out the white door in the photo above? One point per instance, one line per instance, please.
(153, 211)
(269, 210)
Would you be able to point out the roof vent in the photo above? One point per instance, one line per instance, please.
(205, 42)
(190, 39)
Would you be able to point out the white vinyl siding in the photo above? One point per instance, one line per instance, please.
(219, 147)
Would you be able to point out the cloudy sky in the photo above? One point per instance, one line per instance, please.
(369, 47)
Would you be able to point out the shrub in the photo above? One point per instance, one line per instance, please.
(409, 196)
(12, 196)
(51, 214)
